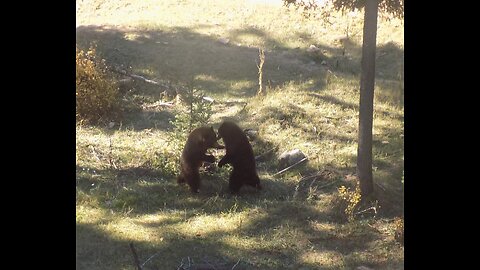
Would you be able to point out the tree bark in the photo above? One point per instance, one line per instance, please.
(367, 84)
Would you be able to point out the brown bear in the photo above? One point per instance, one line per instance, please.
(193, 155)
(239, 154)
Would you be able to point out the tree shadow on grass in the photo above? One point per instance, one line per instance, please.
(180, 55)
(280, 209)
(148, 119)
(95, 249)
(224, 71)
(349, 105)
(145, 191)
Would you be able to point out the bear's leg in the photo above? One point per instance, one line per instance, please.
(254, 181)
(235, 182)
(225, 160)
(257, 185)
(180, 178)
(208, 158)
(194, 181)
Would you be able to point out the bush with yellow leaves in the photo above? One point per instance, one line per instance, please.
(96, 92)
(348, 200)
(399, 229)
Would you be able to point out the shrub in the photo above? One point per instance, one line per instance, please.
(96, 93)
(345, 202)
(197, 113)
(352, 198)
(399, 230)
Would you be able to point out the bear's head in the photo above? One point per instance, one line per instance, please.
(231, 133)
(209, 139)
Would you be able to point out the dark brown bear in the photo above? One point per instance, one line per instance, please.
(193, 155)
(239, 154)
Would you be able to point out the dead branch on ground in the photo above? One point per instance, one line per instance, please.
(291, 166)
(135, 257)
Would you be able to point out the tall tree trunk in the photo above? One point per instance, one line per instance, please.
(367, 84)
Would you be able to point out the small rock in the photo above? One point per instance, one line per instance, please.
(324, 63)
(209, 99)
(341, 38)
(224, 41)
(111, 124)
(289, 158)
(313, 48)
(251, 134)
(363, 268)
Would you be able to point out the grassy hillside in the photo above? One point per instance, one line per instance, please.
(126, 189)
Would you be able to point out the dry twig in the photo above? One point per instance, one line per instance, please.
(110, 159)
(291, 166)
(135, 257)
(151, 257)
(157, 104)
(261, 54)
(266, 153)
(326, 185)
(235, 264)
(94, 153)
